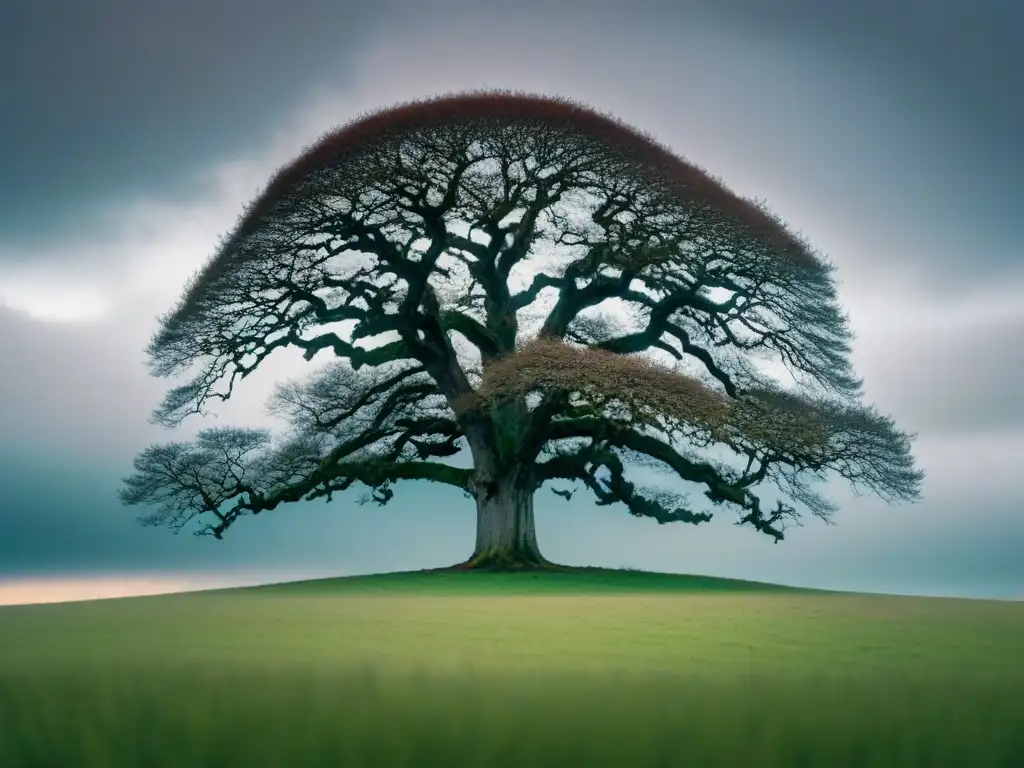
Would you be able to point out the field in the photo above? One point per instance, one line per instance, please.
(597, 668)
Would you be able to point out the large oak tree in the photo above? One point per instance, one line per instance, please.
(535, 282)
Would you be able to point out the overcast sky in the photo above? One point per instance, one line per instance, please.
(887, 131)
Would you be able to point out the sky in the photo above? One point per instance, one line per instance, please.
(132, 135)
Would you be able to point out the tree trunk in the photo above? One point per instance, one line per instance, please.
(506, 537)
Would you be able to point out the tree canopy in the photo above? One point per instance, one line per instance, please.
(537, 282)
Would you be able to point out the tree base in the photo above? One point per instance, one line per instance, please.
(506, 562)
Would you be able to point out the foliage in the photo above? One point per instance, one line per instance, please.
(531, 280)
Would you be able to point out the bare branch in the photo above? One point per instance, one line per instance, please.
(509, 273)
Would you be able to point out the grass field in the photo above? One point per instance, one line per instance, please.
(597, 668)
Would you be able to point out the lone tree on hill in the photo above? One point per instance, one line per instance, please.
(536, 281)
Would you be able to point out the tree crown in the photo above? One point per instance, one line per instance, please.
(540, 282)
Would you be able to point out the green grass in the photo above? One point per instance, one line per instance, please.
(594, 668)
(573, 581)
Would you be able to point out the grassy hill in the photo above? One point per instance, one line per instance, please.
(569, 580)
(587, 667)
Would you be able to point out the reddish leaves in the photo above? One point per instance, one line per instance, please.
(680, 179)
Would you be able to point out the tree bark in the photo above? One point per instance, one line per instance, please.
(506, 537)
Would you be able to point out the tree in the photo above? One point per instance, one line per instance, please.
(534, 281)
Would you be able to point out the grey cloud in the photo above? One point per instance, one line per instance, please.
(966, 48)
(954, 378)
(78, 388)
(84, 389)
(112, 98)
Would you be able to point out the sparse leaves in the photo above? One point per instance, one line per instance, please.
(184, 481)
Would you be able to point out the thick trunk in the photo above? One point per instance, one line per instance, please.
(505, 533)
(503, 487)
